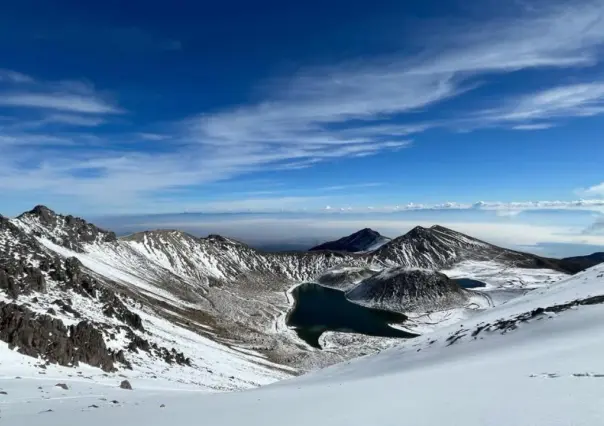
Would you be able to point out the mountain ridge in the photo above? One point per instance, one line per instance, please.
(216, 287)
(441, 244)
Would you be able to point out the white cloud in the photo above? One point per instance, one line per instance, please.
(59, 101)
(593, 191)
(556, 35)
(67, 95)
(14, 77)
(351, 103)
(576, 100)
(535, 126)
(256, 204)
(350, 186)
(153, 136)
(345, 110)
(63, 119)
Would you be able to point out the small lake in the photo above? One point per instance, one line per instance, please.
(318, 309)
(469, 283)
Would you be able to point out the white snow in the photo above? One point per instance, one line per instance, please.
(548, 372)
(500, 276)
(106, 263)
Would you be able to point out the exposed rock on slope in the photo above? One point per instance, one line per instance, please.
(65, 313)
(67, 231)
(409, 290)
(47, 337)
(363, 240)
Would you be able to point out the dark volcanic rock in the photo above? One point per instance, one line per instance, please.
(41, 335)
(17, 278)
(362, 240)
(114, 308)
(125, 385)
(409, 290)
(580, 263)
(137, 343)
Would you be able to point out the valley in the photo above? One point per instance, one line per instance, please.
(167, 309)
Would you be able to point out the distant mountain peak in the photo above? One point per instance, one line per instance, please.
(365, 239)
(367, 230)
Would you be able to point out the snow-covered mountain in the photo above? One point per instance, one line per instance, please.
(534, 360)
(59, 311)
(361, 241)
(438, 247)
(211, 311)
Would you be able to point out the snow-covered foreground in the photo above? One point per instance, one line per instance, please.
(496, 368)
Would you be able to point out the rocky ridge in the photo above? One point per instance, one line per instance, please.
(214, 287)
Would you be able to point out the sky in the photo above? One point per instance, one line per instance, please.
(482, 115)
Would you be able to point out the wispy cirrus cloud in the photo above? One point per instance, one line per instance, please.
(346, 110)
(62, 101)
(68, 119)
(575, 100)
(14, 77)
(535, 126)
(64, 96)
(353, 103)
(592, 191)
(350, 186)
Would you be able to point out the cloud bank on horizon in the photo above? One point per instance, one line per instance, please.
(461, 105)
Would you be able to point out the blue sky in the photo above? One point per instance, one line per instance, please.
(113, 108)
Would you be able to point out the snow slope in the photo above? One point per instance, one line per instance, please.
(515, 364)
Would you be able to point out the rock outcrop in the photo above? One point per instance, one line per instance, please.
(67, 231)
(409, 290)
(40, 335)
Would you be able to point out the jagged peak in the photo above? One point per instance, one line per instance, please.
(66, 230)
(416, 232)
(40, 211)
